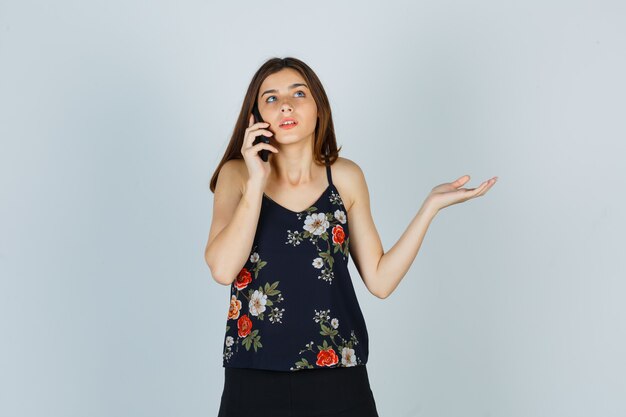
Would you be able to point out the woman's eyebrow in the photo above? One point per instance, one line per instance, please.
(290, 87)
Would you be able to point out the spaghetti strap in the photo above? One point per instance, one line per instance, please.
(328, 174)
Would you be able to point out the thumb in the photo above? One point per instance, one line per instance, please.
(250, 120)
(461, 180)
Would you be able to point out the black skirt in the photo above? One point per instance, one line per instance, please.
(340, 392)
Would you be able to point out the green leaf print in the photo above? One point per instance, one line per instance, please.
(246, 342)
(252, 338)
(271, 289)
(303, 364)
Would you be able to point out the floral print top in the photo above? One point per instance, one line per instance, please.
(293, 306)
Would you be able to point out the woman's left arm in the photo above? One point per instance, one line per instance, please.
(380, 271)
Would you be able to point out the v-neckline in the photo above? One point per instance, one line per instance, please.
(302, 211)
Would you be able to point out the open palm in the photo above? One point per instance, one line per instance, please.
(450, 193)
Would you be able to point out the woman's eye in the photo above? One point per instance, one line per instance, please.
(268, 99)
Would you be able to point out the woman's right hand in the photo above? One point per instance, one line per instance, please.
(257, 168)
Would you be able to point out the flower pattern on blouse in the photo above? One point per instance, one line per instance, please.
(258, 302)
(328, 228)
(326, 355)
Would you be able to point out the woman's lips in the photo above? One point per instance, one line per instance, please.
(288, 126)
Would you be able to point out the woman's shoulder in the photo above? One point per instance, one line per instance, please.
(232, 177)
(237, 167)
(348, 179)
(346, 166)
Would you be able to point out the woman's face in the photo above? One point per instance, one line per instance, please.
(285, 95)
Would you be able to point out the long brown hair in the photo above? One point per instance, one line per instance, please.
(325, 145)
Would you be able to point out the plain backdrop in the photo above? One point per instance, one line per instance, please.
(114, 115)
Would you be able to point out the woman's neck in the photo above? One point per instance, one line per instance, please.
(292, 167)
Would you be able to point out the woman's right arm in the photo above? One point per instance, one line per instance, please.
(237, 206)
(236, 210)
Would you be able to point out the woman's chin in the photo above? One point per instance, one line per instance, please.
(286, 138)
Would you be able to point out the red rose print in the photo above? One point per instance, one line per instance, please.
(243, 279)
(244, 325)
(338, 234)
(327, 357)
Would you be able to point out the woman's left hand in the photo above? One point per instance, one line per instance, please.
(450, 193)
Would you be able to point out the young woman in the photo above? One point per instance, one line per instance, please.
(296, 342)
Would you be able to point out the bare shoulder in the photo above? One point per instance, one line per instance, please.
(237, 164)
(226, 197)
(235, 174)
(349, 179)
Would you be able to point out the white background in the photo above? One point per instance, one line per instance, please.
(114, 115)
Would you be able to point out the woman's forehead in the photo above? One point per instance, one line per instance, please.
(283, 79)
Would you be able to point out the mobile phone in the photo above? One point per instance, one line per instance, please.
(263, 153)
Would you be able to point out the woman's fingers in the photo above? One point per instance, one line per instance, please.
(263, 145)
(480, 190)
(484, 187)
(490, 183)
(249, 138)
(460, 181)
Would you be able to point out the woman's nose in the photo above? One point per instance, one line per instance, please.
(286, 103)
